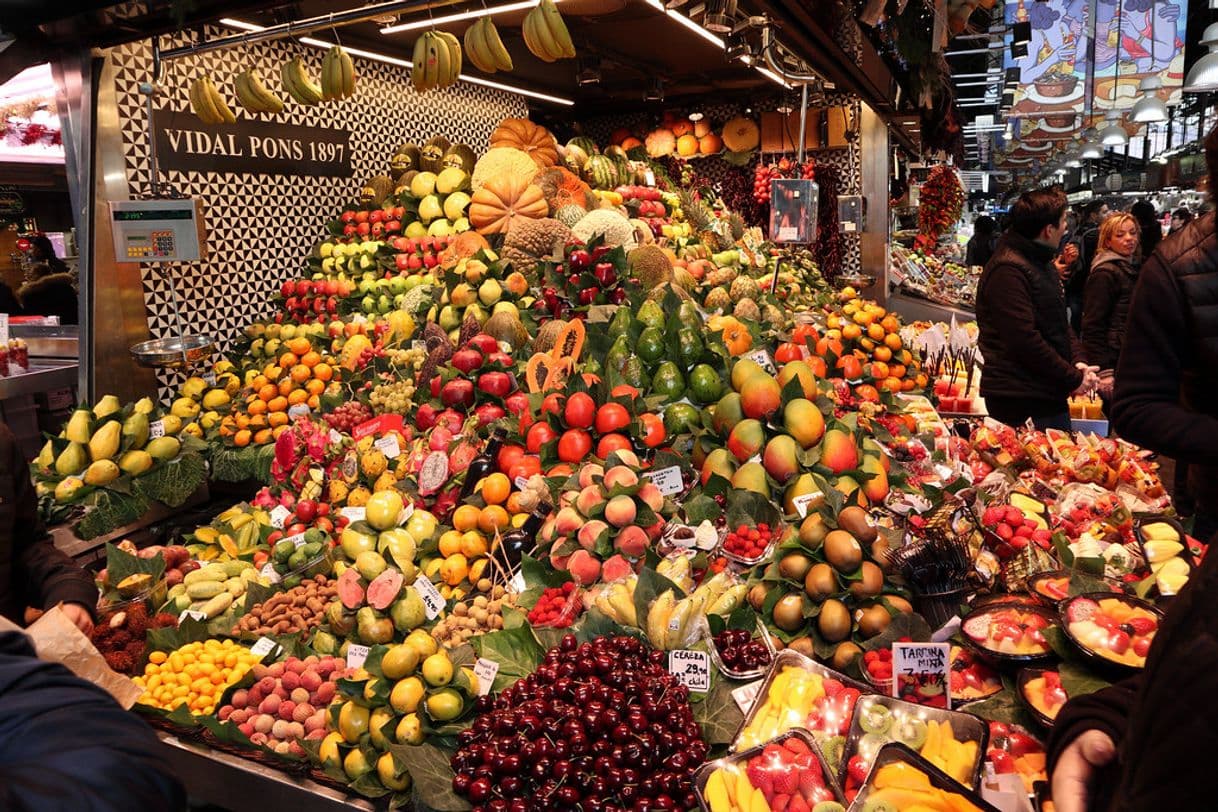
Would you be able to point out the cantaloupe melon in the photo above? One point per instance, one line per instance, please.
(661, 142)
(741, 134)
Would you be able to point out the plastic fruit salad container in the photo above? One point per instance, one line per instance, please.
(1111, 629)
(1165, 547)
(1041, 690)
(900, 779)
(787, 767)
(1010, 632)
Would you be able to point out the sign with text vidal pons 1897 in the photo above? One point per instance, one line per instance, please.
(250, 147)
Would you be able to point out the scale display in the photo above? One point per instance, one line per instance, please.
(158, 230)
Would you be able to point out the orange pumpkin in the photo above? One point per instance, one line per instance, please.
(737, 338)
(661, 142)
(524, 135)
(630, 143)
(564, 188)
(741, 134)
(501, 199)
(682, 127)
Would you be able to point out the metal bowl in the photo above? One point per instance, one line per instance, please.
(173, 352)
(857, 281)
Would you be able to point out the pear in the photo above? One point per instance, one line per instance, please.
(430, 208)
(72, 460)
(164, 448)
(107, 406)
(455, 205)
(78, 428)
(46, 457)
(490, 292)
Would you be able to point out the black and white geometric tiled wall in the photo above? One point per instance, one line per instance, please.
(261, 227)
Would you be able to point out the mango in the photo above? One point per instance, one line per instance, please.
(802, 485)
(728, 412)
(781, 458)
(744, 369)
(78, 428)
(105, 442)
(875, 488)
(746, 439)
(803, 420)
(751, 477)
(719, 461)
(838, 452)
(760, 396)
(72, 460)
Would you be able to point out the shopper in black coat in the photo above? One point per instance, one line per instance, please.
(1109, 292)
(52, 291)
(1030, 369)
(981, 246)
(1148, 220)
(66, 744)
(1076, 280)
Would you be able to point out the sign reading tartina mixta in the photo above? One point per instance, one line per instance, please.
(250, 146)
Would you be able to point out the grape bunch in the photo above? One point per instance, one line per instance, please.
(392, 398)
(407, 360)
(601, 725)
(349, 415)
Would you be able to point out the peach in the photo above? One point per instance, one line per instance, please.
(567, 499)
(558, 562)
(620, 511)
(587, 473)
(620, 475)
(546, 533)
(567, 521)
(226, 713)
(616, 568)
(655, 531)
(589, 498)
(631, 541)
(590, 532)
(627, 457)
(584, 567)
(651, 496)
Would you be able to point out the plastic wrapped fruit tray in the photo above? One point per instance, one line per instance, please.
(1028, 675)
(1126, 635)
(759, 634)
(1165, 548)
(910, 763)
(793, 758)
(990, 625)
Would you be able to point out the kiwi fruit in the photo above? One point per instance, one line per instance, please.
(834, 622)
(875, 718)
(871, 582)
(845, 653)
(820, 582)
(854, 521)
(873, 620)
(828, 806)
(833, 749)
(789, 612)
(842, 550)
(812, 531)
(756, 596)
(794, 565)
(878, 805)
(803, 645)
(911, 732)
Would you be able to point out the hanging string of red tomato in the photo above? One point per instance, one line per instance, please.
(782, 168)
(828, 247)
(940, 203)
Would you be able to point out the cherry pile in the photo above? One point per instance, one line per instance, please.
(349, 415)
(740, 652)
(749, 542)
(555, 608)
(598, 726)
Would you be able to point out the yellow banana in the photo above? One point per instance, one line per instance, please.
(418, 71)
(531, 38)
(493, 45)
(541, 31)
(658, 619)
(331, 77)
(298, 84)
(348, 73)
(269, 101)
(674, 631)
(218, 102)
(199, 103)
(454, 56)
(244, 95)
(557, 29)
(474, 45)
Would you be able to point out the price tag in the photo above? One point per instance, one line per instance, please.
(388, 446)
(762, 358)
(517, 583)
(668, 480)
(691, 668)
(407, 512)
(268, 572)
(192, 614)
(156, 429)
(802, 502)
(418, 345)
(335, 437)
(298, 540)
(354, 514)
(209, 377)
(788, 234)
(263, 647)
(745, 695)
(4, 328)
(278, 516)
(649, 178)
(433, 601)
(367, 427)
(485, 670)
(356, 655)
(674, 623)
(521, 483)
(921, 668)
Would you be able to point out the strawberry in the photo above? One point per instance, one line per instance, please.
(810, 781)
(798, 804)
(1002, 760)
(856, 769)
(796, 745)
(759, 777)
(786, 782)
(779, 803)
(1142, 625)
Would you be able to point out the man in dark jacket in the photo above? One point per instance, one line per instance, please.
(66, 744)
(32, 571)
(1024, 337)
(1076, 278)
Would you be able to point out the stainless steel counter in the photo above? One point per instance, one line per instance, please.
(44, 375)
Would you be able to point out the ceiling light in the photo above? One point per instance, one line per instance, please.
(1203, 76)
(1114, 134)
(738, 46)
(655, 91)
(589, 70)
(715, 40)
(719, 15)
(431, 22)
(1150, 107)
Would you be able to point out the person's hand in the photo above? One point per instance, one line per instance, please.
(1070, 253)
(1076, 767)
(1091, 378)
(78, 615)
(1106, 384)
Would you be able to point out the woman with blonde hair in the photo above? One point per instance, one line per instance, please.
(1108, 294)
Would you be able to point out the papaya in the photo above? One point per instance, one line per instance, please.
(105, 441)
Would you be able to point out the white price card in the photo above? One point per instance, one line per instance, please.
(4, 328)
(746, 695)
(406, 512)
(268, 572)
(433, 601)
(762, 359)
(192, 614)
(521, 483)
(298, 540)
(356, 654)
(691, 668)
(788, 234)
(485, 670)
(156, 429)
(278, 516)
(668, 480)
(517, 583)
(335, 437)
(209, 377)
(921, 667)
(801, 502)
(354, 514)
(263, 647)
(388, 446)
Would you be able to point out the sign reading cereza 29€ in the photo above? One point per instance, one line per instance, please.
(250, 147)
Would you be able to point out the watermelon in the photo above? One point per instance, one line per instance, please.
(585, 143)
(601, 172)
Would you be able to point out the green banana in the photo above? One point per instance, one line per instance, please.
(494, 47)
(557, 29)
(474, 46)
(532, 39)
(297, 82)
(418, 70)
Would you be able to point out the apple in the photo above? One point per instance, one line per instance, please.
(495, 383)
(483, 343)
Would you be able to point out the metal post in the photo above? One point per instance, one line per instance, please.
(803, 119)
(149, 90)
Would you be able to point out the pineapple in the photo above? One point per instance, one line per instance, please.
(721, 277)
(703, 222)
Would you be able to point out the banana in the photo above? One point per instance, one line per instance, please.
(418, 70)
(674, 630)
(298, 84)
(657, 619)
(454, 57)
(557, 29)
(531, 38)
(541, 32)
(726, 603)
(217, 101)
(621, 598)
(245, 95)
(200, 103)
(269, 101)
(348, 73)
(474, 47)
(331, 74)
(494, 47)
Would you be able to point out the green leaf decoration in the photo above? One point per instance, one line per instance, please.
(173, 483)
(1078, 680)
(718, 714)
(107, 511)
(431, 775)
(596, 624)
(516, 651)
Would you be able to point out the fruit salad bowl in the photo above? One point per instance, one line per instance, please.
(971, 678)
(902, 779)
(1042, 692)
(1111, 630)
(1010, 633)
(775, 773)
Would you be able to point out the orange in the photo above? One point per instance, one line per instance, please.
(465, 518)
(242, 438)
(882, 353)
(310, 359)
(297, 396)
(513, 503)
(243, 420)
(301, 373)
(907, 384)
(262, 437)
(274, 373)
(277, 419)
(288, 359)
(850, 367)
(851, 331)
(279, 430)
(258, 382)
(268, 392)
(879, 370)
(299, 345)
(897, 370)
(893, 341)
(313, 402)
(495, 489)
(834, 322)
(492, 518)
(315, 387)
(892, 384)
(891, 324)
(875, 331)
(323, 371)
(258, 421)
(864, 317)
(867, 344)
(906, 358)
(450, 543)
(279, 404)
(285, 386)
(257, 407)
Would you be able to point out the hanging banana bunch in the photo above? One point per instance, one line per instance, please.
(546, 34)
(337, 74)
(437, 61)
(298, 84)
(484, 47)
(253, 94)
(208, 104)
